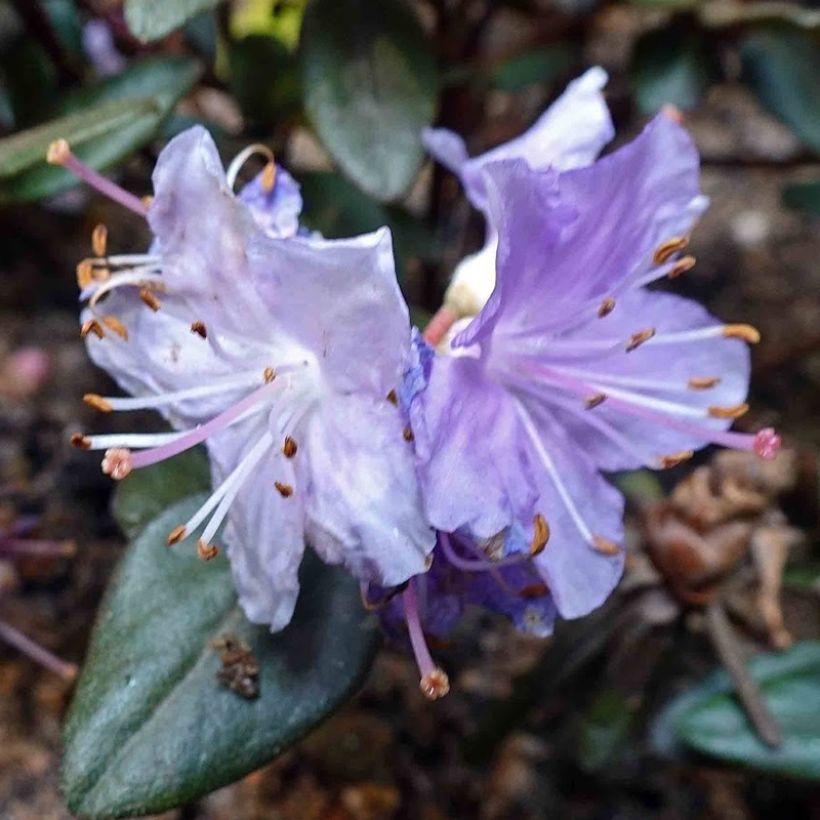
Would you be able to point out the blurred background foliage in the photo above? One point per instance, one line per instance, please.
(620, 715)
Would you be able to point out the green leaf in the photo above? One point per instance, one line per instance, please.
(103, 124)
(782, 65)
(144, 494)
(709, 719)
(671, 65)
(604, 729)
(152, 19)
(803, 196)
(370, 86)
(542, 65)
(150, 727)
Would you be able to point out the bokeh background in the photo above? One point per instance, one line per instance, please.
(579, 726)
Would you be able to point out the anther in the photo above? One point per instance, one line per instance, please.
(97, 402)
(149, 299)
(407, 433)
(393, 398)
(199, 328)
(735, 411)
(113, 323)
(285, 490)
(703, 382)
(268, 374)
(58, 152)
(176, 535)
(117, 463)
(747, 333)
(673, 459)
(92, 326)
(683, 264)
(533, 591)
(206, 551)
(541, 534)
(665, 250)
(85, 274)
(99, 240)
(604, 545)
(767, 443)
(80, 441)
(591, 402)
(435, 684)
(289, 447)
(637, 339)
(147, 201)
(606, 307)
(268, 177)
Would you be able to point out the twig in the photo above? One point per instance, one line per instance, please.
(726, 646)
(67, 671)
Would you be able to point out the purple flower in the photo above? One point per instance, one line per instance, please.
(574, 367)
(283, 354)
(569, 134)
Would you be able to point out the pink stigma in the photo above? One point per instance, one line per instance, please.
(767, 443)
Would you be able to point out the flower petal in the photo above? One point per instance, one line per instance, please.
(277, 210)
(364, 507)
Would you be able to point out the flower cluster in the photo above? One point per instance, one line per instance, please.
(464, 467)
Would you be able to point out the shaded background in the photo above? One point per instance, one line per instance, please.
(568, 728)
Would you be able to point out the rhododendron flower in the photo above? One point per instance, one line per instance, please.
(282, 353)
(574, 367)
(569, 134)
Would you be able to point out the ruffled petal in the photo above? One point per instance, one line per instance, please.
(264, 531)
(363, 504)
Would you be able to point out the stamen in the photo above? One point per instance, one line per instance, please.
(206, 551)
(681, 266)
(80, 441)
(59, 153)
(268, 375)
(130, 440)
(141, 276)
(540, 536)
(200, 329)
(606, 307)
(243, 156)
(289, 447)
(99, 240)
(117, 463)
(591, 402)
(733, 412)
(407, 433)
(98, 402)
(285, 490)
(703, 382)
(92, 326)
(604, 545)
(393, 398)
(483, 564)
(85, 274)
(672, 460)
(666, 249)
(149, 299)
(176, 535)
(434, 682)
(637, 339)
(748, 333)
(113, 323)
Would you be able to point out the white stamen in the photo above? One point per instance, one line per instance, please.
(242, 157)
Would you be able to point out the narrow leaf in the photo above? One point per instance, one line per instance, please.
(152, 19)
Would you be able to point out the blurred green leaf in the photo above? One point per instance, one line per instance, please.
(782, 66)
(108, 121)
(542, 65)
(65, 20)
(152, 19)
(144, 494)
(264, 80)
(370, 86)
(280, 19)
(30, 80)
(150, 727)
(709, 719)
(604, 729)
(671, 65)
(803, 196)
(670, 5)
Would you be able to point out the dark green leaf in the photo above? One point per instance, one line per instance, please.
(671, 65)
(803, 196)
(542, 65)
(30, 80)
(604, 729)
(109, 121)
(709, 719)
(67, 25)
(150, 727)
(146, 493)
(370, 85)
(782, 66)
(151, 19)
(264, 80)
